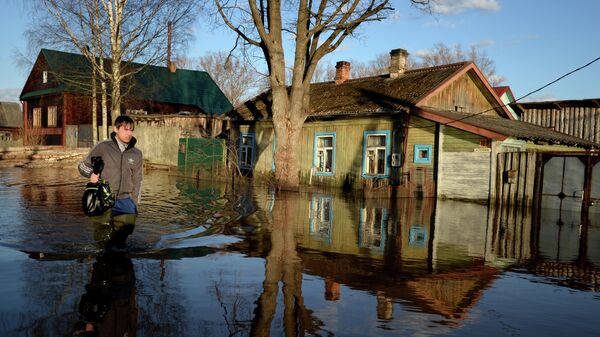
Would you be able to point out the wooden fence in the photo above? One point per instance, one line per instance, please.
(582, 122)
(513, 200)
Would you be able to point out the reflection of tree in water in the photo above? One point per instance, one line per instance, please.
(161, 311)
(283, 265)
(236, 309)
(53, 289)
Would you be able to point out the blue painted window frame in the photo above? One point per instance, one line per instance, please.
(313, 232)
(383, 228)
(253, 146)
(316, 136)
(418, 149)
(386, 172)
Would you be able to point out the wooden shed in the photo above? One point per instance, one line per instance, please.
(11, 122)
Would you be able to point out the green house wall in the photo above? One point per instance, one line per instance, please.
(349, 139)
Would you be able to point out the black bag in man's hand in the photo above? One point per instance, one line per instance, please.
(97, 197)
(97, 165)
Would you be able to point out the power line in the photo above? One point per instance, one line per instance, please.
(524, 96)
(560, 78)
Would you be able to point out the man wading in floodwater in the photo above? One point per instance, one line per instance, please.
(123, 170)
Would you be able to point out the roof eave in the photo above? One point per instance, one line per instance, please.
(432, 116)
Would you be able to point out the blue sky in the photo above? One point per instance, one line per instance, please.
(532, 42)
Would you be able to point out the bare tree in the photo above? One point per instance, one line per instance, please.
(314, 29)
(123, 31)
(441, 54)
(85, 23)
(237, 77)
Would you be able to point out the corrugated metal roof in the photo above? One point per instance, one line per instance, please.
(153, 83)
(11, 115)
(590, 103)
(516, 129)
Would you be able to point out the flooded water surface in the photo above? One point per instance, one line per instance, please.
(209, 259)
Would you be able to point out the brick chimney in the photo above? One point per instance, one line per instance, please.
(342, 72)
(397, 62)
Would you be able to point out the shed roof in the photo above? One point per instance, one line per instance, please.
(478, 123)
(11, 115)
(588, 103)
(376, 94)
(152, 83)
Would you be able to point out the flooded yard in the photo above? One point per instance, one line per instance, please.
(208, 259)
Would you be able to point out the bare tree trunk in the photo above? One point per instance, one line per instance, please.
(94, 107)
(114, 10)
(104, 128)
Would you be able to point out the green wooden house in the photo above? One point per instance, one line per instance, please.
(422, 132)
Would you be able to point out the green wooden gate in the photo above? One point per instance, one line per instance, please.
(200, 155)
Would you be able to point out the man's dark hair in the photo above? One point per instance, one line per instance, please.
(124, 120)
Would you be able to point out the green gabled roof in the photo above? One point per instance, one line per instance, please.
(152, 83)
(184, 86)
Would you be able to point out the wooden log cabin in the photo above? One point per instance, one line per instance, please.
(422, 132)
(57, 101)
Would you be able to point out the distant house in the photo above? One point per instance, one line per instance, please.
(507, 98)
(11, 121)
(579, 118)
(56, 96)
(421, 132)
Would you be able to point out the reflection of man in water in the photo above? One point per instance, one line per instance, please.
(109, 306)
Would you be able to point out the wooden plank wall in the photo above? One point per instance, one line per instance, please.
(464, 175)
(582, 122)
(512, 219)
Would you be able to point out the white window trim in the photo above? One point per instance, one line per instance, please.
(318, 149)
(385, 173)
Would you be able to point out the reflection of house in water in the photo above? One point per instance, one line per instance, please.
(430, 256)
(320, 218)
(387, 247)
(555, 242)
(371, 228)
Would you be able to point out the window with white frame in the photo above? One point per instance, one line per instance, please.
(44, 76)
(246, 151)
(37, 117)
(376, 152)
(52, 116)
(324, 155)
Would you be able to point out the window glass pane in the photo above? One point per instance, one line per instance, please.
(375, 140)
(328, 160)
(52, 116)
(370, 161)
(325, 141)
(37, 117)
(381, 161)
